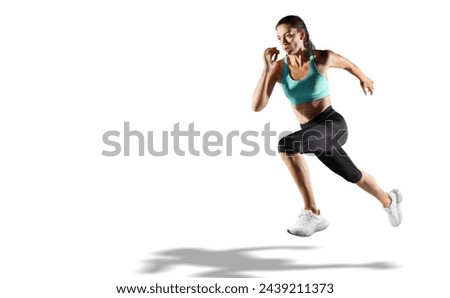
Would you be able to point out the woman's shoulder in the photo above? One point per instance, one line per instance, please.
(278, 71)
(322, 53)
(279, 64)
(281, 61)
(322, 56)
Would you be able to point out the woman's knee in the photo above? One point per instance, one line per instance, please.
(354, 176)
(286, 145)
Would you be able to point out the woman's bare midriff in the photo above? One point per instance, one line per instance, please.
(305, 112)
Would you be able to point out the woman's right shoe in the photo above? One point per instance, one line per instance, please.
(307, 224)
(394, 211)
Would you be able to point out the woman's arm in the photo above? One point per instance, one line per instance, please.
(338, 61)
(267, 80)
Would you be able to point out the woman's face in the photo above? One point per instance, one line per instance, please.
(290, 38)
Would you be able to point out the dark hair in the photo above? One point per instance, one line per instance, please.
(297, 22)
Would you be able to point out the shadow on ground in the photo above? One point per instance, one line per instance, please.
(236, 263)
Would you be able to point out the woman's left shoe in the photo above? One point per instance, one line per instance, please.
(307, 224)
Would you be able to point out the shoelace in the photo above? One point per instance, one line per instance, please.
(304, 218)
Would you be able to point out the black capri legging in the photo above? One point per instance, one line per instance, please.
(324, 136)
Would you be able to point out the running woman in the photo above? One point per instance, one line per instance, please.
(302, 74)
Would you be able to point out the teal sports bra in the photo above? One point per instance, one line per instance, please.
(313, 87)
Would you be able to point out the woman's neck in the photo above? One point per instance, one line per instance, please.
(300, 57)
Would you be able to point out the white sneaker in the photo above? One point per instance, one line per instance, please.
(307, 224)
(394, 212)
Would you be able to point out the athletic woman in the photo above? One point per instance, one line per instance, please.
(303, 76)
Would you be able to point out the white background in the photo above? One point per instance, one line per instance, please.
(74, 223)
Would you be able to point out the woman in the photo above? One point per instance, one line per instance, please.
(303, 76)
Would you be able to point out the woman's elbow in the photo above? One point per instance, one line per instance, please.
(258, 103)
(257, 107)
